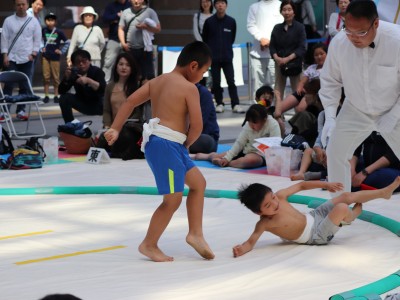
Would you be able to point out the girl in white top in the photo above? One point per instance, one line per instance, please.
(243, 154)
(336, 20)
(88, 37)
(206, 9)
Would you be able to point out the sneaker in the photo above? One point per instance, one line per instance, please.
(238, 109)
(4, 117)
(56, 99)
(220, 108)
(21, 116)
(46, 99)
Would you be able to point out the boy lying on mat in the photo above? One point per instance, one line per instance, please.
(317, 227)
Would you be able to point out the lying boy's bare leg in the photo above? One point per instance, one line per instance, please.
(195, 203)
(159, 221)
(341, 212)
(306, 161)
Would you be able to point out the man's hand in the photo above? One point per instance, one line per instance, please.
(125, 46)
(329, 125)
(334, 186)
(6, 62)
(358, 179)
(111, 136)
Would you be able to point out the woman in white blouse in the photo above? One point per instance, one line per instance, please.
(88, 37)
(336, 20)
(206, 9)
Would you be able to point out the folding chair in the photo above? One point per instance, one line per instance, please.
(29, 99)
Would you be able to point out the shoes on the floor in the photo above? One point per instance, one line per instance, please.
(220, 108)
(238, 109)
(22, 116)
(56, 99)
(46, 99)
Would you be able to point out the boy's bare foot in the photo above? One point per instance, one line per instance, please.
(356, 210)
(201, 246)
(154, 253)
(297, 176)
(388, 191)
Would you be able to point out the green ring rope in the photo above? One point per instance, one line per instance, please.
(368, 291)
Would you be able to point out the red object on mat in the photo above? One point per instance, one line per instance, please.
(367, 187)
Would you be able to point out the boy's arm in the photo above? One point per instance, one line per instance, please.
(248, 245)
(195, 117)
(309, 185)
(138, 97)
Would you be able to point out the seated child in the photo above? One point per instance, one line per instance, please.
(313, 161)
(265, 96)
(243, 154)
(308, 85)
(317, 227)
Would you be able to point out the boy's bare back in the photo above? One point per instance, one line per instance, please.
(175, 101)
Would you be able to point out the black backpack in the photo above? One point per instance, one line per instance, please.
(6, 146)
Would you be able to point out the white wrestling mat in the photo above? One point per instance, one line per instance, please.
(86, 245)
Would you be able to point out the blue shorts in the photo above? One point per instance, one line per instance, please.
(169, 162)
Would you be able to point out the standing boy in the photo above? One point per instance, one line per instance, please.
(176, 125)
(317, 227)
(51, 55)
(219, 33)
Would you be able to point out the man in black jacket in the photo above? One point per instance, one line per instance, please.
(89, 84)
(219, 33)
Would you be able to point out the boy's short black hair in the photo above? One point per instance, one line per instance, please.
(252, 196)
(195, 51)
(265, 89)
(50, 16)
(80, 53)
(215, 1)
(60, 297)
(363, 9)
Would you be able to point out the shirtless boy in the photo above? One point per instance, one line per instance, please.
(318, 227)
(176, 124)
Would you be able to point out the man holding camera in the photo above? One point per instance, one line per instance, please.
(89, 84)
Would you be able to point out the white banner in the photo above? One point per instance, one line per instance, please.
(389, 10)
(169, 59)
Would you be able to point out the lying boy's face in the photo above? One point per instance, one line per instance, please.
(270, 205)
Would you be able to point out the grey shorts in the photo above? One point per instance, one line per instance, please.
(323, 229)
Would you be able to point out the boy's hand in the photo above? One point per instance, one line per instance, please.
(239, 250)
(334, 186)
(111, 136)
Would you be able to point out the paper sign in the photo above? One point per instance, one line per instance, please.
(97, 156)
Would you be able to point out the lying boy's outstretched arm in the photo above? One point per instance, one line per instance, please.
(309, 185)
(248, 245)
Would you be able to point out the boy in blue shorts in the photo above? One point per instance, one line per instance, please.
(176, 124)
(317, 227)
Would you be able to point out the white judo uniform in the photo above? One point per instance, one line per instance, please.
(371, 80)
